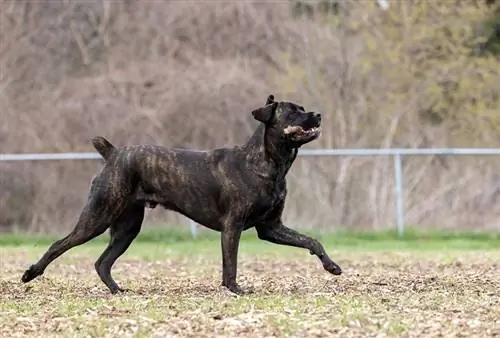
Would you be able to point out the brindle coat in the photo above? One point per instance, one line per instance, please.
(227, 189)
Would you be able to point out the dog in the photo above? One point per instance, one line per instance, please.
(228, 190)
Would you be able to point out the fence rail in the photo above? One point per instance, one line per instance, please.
(396, 153)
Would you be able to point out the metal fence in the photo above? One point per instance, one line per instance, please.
(396, 153)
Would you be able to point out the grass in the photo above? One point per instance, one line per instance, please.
(425, 284)
(365, 240)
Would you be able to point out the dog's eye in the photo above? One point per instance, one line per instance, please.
(302, 108)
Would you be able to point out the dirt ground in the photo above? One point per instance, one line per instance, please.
(405, 294)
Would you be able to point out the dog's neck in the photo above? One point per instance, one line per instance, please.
(272, 159)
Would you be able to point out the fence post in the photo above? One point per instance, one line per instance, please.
(194, 228)
(400, 213)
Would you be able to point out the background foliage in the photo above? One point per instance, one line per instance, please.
(187, 74)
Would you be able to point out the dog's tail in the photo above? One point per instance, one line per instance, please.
(103, 146)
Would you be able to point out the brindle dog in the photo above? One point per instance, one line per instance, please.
(227, 189)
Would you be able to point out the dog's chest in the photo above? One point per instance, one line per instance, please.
(268, 199)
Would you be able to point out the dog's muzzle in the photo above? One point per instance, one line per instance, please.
(307, 131)
(299, 133)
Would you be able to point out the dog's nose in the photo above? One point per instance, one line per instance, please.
(318, 116)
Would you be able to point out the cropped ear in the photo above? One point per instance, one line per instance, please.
(266, 113)
(270, 99)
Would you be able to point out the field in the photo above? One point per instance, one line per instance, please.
(435, 285)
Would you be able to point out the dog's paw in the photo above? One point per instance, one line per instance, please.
(247, 291)
(30, 274)
(118, 289)
(332, 268)
(236, 289)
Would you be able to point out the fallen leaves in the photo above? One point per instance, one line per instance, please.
(380, 294)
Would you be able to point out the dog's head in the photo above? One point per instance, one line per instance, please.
(289, 121)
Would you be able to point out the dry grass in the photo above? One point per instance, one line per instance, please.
(177, 294)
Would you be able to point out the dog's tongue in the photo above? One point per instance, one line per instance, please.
(293, 129)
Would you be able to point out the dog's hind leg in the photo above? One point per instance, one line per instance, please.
(97, 215)
(123, 231)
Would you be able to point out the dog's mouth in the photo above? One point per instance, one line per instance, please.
(298, 133)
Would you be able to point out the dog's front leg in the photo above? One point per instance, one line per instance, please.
(278, 233)
(230, 240)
